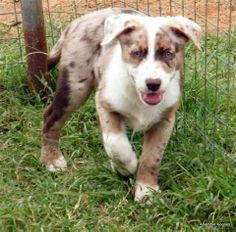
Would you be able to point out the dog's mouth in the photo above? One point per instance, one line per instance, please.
(152, 98)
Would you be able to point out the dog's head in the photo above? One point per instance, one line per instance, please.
(152, 49)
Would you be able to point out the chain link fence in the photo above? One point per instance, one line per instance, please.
(209, 101)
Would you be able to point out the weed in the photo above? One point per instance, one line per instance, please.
(197, 175)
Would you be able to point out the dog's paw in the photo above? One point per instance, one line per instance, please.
(116, 168)
(57, 165)
(144, 192)
(127, 169)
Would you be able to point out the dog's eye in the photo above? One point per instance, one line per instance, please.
(169, 55)
(137, 54)
(164, 54)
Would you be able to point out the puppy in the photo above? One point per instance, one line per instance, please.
(134, 61)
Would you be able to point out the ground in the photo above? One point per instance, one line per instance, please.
(197, 176)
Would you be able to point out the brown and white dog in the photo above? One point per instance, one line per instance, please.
(134, 61)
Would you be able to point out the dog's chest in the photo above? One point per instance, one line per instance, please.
(140, 117)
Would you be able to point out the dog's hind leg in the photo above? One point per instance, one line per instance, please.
(116, 143)
(71, 92)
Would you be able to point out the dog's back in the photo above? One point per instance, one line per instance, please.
(81, 38)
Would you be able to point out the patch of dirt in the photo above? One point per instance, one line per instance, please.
(213, 16)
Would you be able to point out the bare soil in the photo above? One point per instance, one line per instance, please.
(212, 16)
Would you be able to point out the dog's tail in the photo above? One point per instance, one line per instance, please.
(55, 54)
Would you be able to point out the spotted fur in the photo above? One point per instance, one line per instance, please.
(134, 62)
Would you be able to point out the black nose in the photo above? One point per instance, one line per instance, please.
(153, 84)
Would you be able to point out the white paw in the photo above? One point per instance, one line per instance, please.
(143, 191)
(57, 165)
(127, 169)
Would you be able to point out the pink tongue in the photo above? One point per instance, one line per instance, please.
(152, 98)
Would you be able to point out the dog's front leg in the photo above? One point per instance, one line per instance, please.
(116, 143)
(155, 141)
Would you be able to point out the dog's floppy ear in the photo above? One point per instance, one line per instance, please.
(116, 25)
(187, 29)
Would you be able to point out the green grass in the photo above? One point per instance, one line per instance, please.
(197, 176)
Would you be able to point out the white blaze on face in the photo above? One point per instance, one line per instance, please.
(150, 68)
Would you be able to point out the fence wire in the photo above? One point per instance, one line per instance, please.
(209, 76)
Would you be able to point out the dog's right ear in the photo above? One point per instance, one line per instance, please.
(187, 29)
(116, 25)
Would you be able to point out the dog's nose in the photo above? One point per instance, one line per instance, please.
(153, 84)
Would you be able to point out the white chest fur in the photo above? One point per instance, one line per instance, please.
(120, 93)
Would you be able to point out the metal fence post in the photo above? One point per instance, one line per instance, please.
(35, 43)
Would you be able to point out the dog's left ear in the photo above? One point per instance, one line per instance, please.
(187, 29)
(116, 25)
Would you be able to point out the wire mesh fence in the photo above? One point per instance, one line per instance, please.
(208, 107)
